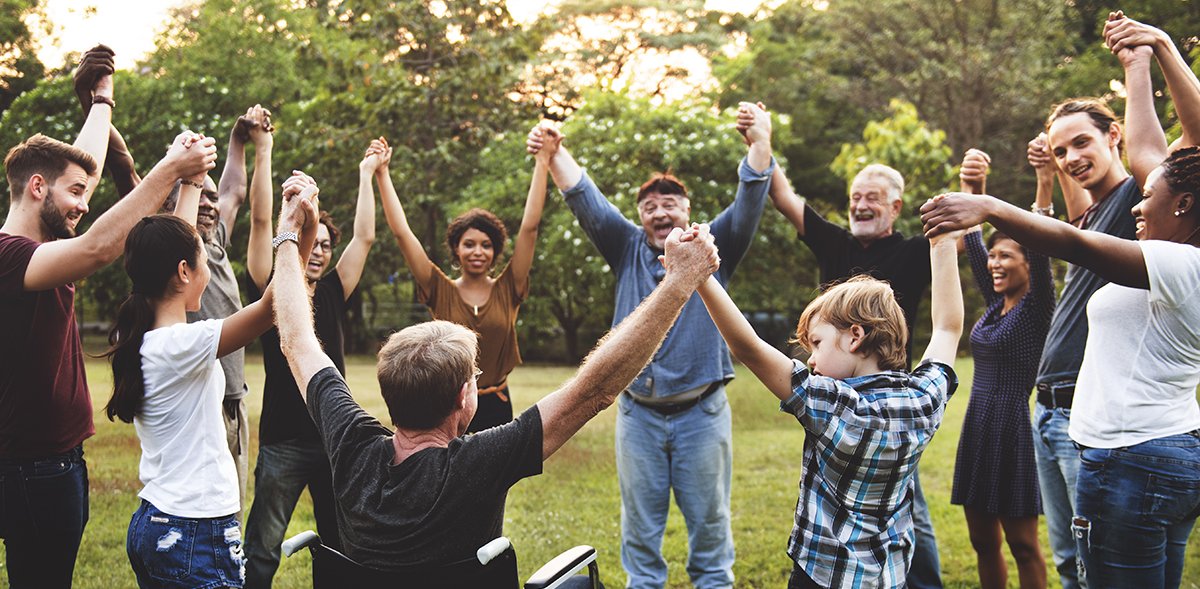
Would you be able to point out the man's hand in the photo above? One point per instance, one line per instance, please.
(974, 170)
(1038, 154)
(377, 157)
(254, 126)
(690, 256)
(191, 155)
(954, 211)
(543, 142)
(1122, 32)
(298, 212)
(96, 63)
(753, 122)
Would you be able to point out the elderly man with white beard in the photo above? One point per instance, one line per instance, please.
(872, 246)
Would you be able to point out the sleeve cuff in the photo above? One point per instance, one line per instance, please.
(580, 186)
(749, 174)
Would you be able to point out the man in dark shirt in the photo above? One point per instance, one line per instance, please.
(425, 494)
(873, 247)
(45, 406)
(290, 455)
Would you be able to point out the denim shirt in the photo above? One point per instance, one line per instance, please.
(694, 354)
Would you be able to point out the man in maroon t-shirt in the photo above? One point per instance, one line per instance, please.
(45, 409)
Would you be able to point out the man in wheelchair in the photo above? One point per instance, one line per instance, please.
(426, 495)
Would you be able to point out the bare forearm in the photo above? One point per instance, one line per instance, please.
(93, 139)
(772, 367)
(258, 251)
(293, 310)
(1044, 196)
(946, 304)
(759, 156)
(564, 170)
(364, 210)
(535, 201)
(1183, 86)
(786, 201)
(613, 364)
(1145, 140)
(120, 164)
(231, 189)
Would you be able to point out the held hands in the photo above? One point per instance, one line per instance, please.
(1122, 33)
(953, 213)
(753, 122)
(543, 142)
(299, 211)
(191, 155)
(93, 77)
(690, 255)
(254, 126)
(377, 157)
(1038, 154)
(974, 170)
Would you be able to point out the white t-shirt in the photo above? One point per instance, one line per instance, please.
(1142, 361)
(186, 466)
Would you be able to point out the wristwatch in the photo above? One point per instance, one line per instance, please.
(285, 236)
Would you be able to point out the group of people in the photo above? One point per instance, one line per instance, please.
(1119, 479)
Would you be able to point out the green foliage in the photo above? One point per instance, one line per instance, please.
(905, 142)
(20, 69)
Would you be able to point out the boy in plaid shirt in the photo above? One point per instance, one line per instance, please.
(867, 419)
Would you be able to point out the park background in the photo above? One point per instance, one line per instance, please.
(637, 87)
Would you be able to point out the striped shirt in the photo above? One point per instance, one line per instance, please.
(865, 434)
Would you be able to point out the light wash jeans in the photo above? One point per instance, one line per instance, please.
(1058, 469)
(1135, 509)
(282, 472)
(925, 572)
(692, 453)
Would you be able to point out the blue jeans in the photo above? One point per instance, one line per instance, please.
(1135, 509)
(926, 569)
(282, 472)
(1058, 468)
(692, 453)
(172, 552)
(43, 510)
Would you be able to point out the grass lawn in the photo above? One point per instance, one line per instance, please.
(576, 500)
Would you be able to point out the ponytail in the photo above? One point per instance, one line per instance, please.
(125, 344)
(153, 250)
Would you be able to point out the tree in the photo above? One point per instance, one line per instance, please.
(20, 69)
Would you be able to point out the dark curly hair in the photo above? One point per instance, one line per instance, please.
(335, 234)
(1181, 171)
(482, 220)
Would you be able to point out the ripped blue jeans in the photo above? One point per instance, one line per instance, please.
(172, 552)
(1134, 509)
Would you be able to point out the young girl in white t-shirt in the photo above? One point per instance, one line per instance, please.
(168, 383)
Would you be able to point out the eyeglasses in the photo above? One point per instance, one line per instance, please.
(324, 245)
(476, 374)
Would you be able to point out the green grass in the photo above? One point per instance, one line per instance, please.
(576, 500)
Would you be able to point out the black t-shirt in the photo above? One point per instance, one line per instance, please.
(903, 262)
(284, 416)
(439, 505)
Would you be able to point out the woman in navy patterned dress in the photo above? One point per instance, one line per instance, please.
(995, 474)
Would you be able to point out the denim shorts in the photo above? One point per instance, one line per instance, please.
(172, 552)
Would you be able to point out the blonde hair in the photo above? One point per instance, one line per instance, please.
(869, 303)
(421, 370)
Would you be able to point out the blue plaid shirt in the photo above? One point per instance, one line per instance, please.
(864, 436)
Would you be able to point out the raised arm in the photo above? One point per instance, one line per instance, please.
(946, 304)
(786, 200)
(624, 352)
(93, 137)
(1114, 259)
(231, 188)
(734, 228)
(258, 249)
(58, 262)
(972, 177)
(95, 63)
(354, 257)
(293, 307)
(772, 367)
(414, 255)
(526, 243)
(1121, 32)
(187, 204)
(1145, 141)
(563, 168)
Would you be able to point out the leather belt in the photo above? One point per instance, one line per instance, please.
(500, 390)
(1055, 396)
(680, 407)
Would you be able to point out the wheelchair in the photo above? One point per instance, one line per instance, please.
(493, 567)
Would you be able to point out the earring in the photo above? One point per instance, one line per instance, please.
(1177, 213)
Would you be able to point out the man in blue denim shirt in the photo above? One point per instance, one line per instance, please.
(673, 426)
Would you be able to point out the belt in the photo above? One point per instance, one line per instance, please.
(673, 408)
(1055, 396)
(500, 390)
(73, 455)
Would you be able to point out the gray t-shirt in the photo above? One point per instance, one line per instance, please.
(220, 300)
(1069, 328)
(439, 505)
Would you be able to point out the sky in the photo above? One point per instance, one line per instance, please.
(129, 26)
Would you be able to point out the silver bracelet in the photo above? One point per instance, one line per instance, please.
(285, 236)
(1046, 211)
